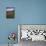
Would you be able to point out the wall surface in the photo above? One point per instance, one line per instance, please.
(7, 25)
(31, 11)
(27, 12)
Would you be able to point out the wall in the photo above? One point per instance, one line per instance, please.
(7, 25)
(27, 12)
(31, 11)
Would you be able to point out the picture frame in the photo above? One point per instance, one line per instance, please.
(10, 12)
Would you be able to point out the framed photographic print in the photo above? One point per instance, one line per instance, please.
(10, 12)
